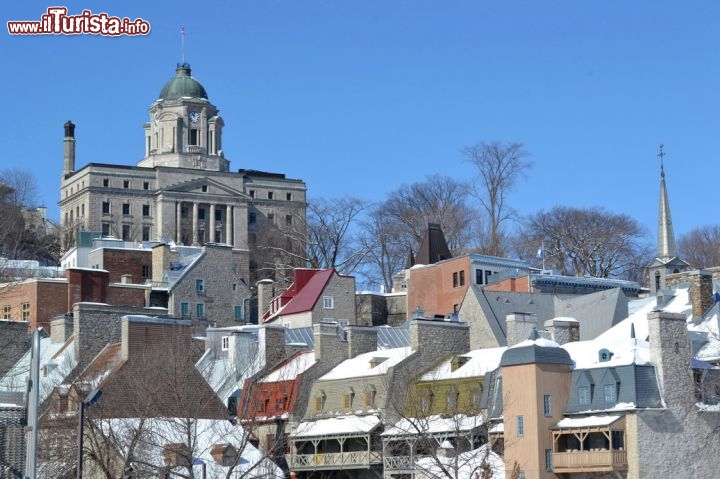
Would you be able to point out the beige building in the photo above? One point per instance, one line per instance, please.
(183, 190)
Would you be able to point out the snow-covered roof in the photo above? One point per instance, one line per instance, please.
(586, 421)
(373, 363)
(466, 465)
(156, 433)
(57, 361)
(342, 425)
(291, 369)
(479, 362)
(435, 424)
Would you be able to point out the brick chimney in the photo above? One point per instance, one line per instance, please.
(701, 291)
(265, 293)
(563, 330)
(360, 339)
(670, 352)
(519, 327)
(87, 285)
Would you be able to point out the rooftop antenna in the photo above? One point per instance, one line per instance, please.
(182, 43)
(661, 155)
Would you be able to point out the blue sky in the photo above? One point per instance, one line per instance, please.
(359, 97)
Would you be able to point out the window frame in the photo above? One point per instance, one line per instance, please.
(520, 426)
(547, 405)
(328, 302)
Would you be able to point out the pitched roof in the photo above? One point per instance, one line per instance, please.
(433, 247)
(303, 293)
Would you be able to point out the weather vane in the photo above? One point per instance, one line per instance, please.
(661, 155)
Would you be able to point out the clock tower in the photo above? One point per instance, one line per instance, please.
(185, 130)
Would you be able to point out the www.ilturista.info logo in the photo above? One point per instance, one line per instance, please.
(57, 22)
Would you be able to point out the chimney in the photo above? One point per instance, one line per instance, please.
(361, 339)
(69, 142)
(519, 327)
(439, 338)
(701, 291)
(165, 337)
(265, 293)
(126, 279)
(563, 330)
(61, 328)
(328, 347)
(272, 343)
(87, 285)
(671, 354)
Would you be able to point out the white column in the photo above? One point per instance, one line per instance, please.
(195, 223)
(178, 222)
(211, 237)
(228, 223)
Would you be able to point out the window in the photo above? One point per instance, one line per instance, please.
(106, 182)
(200, 286)
(455, 280)
(26, 311)
(427, 401)
(105, 229)
(548, 460)
(584, 395)
(547, 405)
(225, 343)
(193, 136)
(200, 310)
(238, 313)
(252, 193)
(288, 220)
(7, 312)
(348, 397)
(609, 392)
(126, 232)
(203, 188)
(218, 215)
(328, 302)
(270, 195)
(319, 401)
(183, 212)
(288, 196)
(106, 207)
(478, 276)
(370, 396)
(462, 278)
(487, 276)
(521, 475)
(520, 426)
(146, 210)
(451, 401)
(126, 183)
(126, 208)
(146, 185)
(201, 213)
(271, 217)
(251, 217)
(145, 233)
(184, 310)
(146, 271)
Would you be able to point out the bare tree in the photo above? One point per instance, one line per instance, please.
(701, 246)
(590, 242)
(331, 232)
(387, 248)
(499, 166)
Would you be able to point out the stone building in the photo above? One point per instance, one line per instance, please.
(183, 190)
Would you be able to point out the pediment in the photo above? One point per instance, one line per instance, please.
(213, 187)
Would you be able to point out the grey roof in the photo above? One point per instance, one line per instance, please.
(596, 312)
(636, 386)
(534, 353)
(388, 337)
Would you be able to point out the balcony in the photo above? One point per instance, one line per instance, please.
(397, 463)
(589, 461)
(335, 460)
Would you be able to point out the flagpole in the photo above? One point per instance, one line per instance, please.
(182, 43)
(542, 247)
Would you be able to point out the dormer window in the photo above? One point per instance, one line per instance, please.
(319, 402)
(610, 393)
(370, 393)
(348, 397)
(458, 362)
(375, 362)
(584, 395)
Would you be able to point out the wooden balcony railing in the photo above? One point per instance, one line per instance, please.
(335, 460)
(397, 463)
(578, 461)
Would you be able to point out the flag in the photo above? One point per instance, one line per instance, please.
(539, 252)
(182, 30)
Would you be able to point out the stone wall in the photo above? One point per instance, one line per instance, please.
(375, 309)
(342, 291)
(14, 343)
(519, 327)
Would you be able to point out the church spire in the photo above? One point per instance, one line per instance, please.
(666, 236)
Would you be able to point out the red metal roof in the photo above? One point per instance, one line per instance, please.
(306, 289)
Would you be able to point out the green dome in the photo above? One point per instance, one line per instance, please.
(183, 85)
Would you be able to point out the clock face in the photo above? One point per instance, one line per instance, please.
(194, 117)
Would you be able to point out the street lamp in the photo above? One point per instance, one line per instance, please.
(91, 399)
